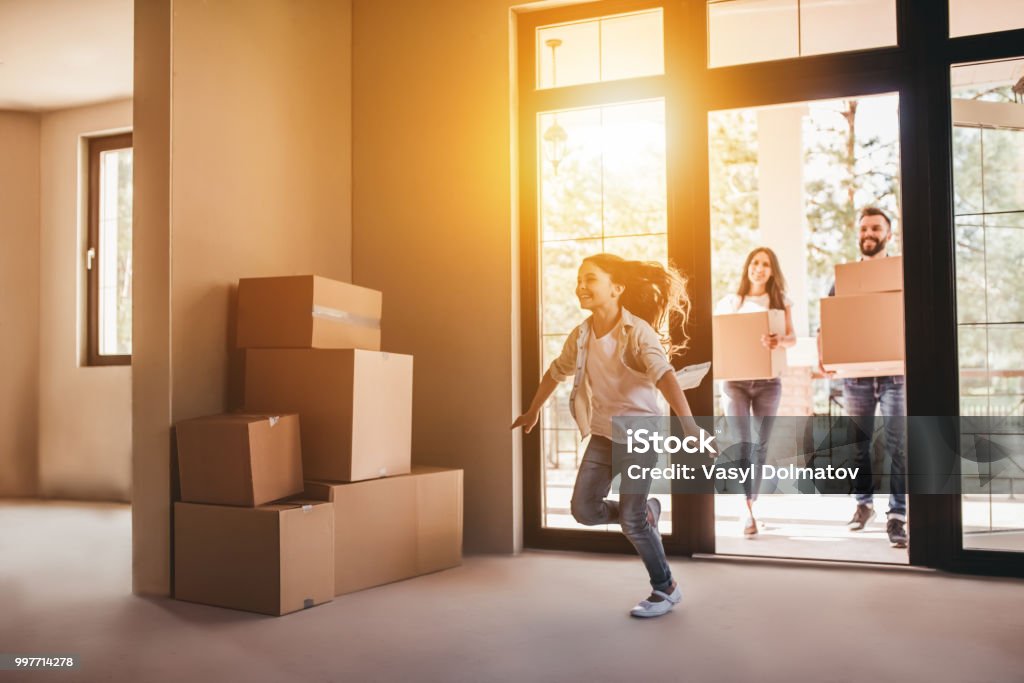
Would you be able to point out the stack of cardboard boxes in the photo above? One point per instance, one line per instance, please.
(313, 350)
(862, 325)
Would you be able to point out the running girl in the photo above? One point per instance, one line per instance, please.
(618, 360)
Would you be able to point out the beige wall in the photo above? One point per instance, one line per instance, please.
(433, 228)
(248, 105)
(19, 302)
(84, 412)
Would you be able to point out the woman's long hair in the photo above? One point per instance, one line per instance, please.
(653, 293)
(776, 285)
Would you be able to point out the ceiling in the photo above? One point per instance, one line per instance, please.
(56, 54)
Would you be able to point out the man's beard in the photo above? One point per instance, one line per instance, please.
(879, 246)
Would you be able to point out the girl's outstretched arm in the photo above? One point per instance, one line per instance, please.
(529, 419)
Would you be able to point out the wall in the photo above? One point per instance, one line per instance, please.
(85, 437)
(433, 228)
(243, 168)
(19, 302)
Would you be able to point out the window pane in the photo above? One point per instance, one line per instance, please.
(1003, 152)
(841, 25)
(970, 17)
(745, 31)
(966, 171)
(632, 45)
(606, 49)
(570, 174)
(115, 253)
(561, 261)
(634, 169)
(568, 55)
(737, 31)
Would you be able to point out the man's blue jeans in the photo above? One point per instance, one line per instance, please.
(862, 395)
(752, 401)
(589, 506)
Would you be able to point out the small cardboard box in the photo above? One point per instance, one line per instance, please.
(355, 406)
(862, 336)
(307, 312)
(737, 348)
(244, 460)
(272, 559)
(395, 528)
(870, 276)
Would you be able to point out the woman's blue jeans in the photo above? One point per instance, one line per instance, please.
(748, 402)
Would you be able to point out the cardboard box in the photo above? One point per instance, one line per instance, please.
(239, 459)
(395, 528)
(308, 312)
(868, 277)
(272, 559)
(737, 349)
(862, 336)
(355, 407)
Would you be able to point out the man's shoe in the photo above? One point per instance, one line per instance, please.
(863, 515)
(897, 533)
(657, 604)
(653, 512)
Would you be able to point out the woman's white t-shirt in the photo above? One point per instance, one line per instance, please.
(751, 304)
(615, 389)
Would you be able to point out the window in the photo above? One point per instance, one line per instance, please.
(745, 31)
(600, 49)
(108, 256)
(972, 17)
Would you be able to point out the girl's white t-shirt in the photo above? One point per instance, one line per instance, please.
(751, 304)
(615, 389)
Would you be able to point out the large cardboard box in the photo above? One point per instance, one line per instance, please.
(395, 528)
(862, 336)
(355, 407)
(737, 349)
(239, 459)
(868, 277)
(272, 559)
(307, 311)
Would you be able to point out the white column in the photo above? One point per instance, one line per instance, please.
(781, 208)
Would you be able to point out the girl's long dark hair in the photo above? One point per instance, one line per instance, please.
(653, 293)
(776, 285)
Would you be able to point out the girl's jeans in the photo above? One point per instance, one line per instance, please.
(758, 398)
(589, 506)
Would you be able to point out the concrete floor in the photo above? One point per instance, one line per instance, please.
(65, 580)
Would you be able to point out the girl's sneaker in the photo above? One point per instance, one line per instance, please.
(657, 604)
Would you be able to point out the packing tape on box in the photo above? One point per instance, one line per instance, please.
(307, 508)
(307, 603)
(274, 420)
(383, 471)
(339, 316)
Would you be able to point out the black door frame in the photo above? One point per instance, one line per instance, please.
(918, 69)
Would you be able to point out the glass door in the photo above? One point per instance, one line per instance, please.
(988, 190)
